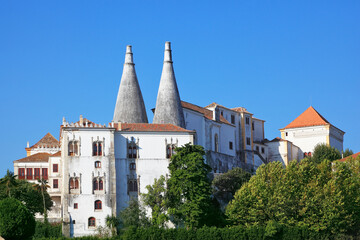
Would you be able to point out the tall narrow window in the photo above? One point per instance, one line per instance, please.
(248, 141)
(247, 120)
(97, 148)
(253, 126)
(29, 174)
(170, 150)
(55, 167)
(73, 149)
(232, 119)
(132, 149)
(216, 141)
(230, 145)
(95, 185)
(91, 222)
(37, 173)
(44, 173)
(21, 173)
(132, 185)
(98, 205)
(101, 184)
(55, 183)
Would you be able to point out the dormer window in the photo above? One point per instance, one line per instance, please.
(73, 148)
(97, 148)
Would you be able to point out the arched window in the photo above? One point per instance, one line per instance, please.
(97, 164)
(95, 185)
(170, 150)
(74, 183)
(132, 166)
(132, 185)
(98, 205)
(97, 148)
(91, 222)
(132, 149)
(101, 184)
(73, 148)
(216, 141)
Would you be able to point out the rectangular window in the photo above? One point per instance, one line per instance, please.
(75, 206)
(257, 148)
(232, 119)
(253, 126)
(248, 141)
(55, 183)
(262, 150)
(29, 173)
(44, 173)
(21, 173)
(55, 167)
(247, 120)
(37, 173)
(286, 133)
(231, 145)
(132, 185)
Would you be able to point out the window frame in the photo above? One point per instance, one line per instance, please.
(91, 222)
(55, 167)
(98, 205)
(56, 183)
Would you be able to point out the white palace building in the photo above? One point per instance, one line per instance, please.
(95, 169)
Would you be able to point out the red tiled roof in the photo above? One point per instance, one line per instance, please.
(310, 117)
(38, 157)
(58, 154)
(47, 141)
(206, 112)
(148, 127)
(354, 156)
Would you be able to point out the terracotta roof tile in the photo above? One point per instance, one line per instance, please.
(310, 117)
(148, 127)
(38, 157)
(206, 112)
(58, 154)
(354, 156)
(47, 141)
(240, 109)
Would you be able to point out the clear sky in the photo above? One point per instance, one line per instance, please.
(275, 58)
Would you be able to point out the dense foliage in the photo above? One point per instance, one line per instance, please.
(25, 192)
(134, 215)
(155, 199)
(347, 152)
(323, 151)
(16, 221)
(47, 230)
(225, 185)
(323, 197)
(189, 188)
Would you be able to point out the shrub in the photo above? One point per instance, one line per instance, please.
(16, 221)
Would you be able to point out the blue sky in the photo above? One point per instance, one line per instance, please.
(65, 58)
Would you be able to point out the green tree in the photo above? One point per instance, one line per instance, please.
(189, 188)
(323, 151)
(347, 152)
(155, 198)
(225, 185)
(320, 197)
(134, 215)
(112, 222)
(42, 187)
(16, 222)
(9, 180)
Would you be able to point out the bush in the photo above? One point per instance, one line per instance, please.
(47, 230)
(16, 221)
